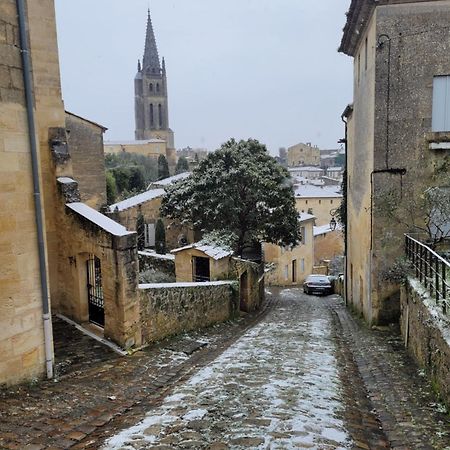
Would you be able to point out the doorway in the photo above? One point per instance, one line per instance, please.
(95, 291)
(201, 271)
(243, 288)
(294, 271)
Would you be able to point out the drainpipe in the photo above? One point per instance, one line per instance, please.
(25, 52)
(345, 142)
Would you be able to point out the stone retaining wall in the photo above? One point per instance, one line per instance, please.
(161, 266)
(171, 308)
(426, 332)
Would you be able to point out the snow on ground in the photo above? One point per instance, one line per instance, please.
(277, 387)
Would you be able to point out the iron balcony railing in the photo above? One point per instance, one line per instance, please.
(432, 270)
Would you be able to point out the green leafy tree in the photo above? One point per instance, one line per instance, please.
(241, 189)
(160, 237)
(136, 181)
(122, 177)
(140, 230)
(182, 165)
(111, 188)
(163, 167)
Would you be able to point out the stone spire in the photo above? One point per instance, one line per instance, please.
(151, 57)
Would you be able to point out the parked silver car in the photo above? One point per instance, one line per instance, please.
(317, 284)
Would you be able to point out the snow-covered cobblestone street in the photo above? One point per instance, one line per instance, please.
(278, 387)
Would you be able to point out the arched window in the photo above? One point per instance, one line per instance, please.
(157, 87)
(152, 116)
(160, 112)
(150, 87)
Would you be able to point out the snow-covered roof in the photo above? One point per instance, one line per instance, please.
(170, 180)
(308, 190)
(212, 251)
(305, 169)
(324, 229)
(144, 142)
(99, 219)
(137, 200)
(303, 217)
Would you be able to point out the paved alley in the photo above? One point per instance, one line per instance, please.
(286, 384)
(303, 374)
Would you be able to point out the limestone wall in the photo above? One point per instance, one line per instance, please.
(150, 211)
(328, 245)
(426, 334)
(319, 207)
(170, 309)
(251, 283)
(119, 270)
(282, 273)
(86, 150)
(21, 334)
(219, 270)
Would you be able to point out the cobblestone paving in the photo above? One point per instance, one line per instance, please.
(292, 382)
(307, 375)
(98, 393)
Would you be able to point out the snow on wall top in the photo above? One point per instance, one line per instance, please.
(324, 229)
(170, 180)
(147, 141)
(305, 169)
(99, 219)
(213, 252)
(66, 180)
(302, 217)
(137, 199)
(184, 285)
(308, 190)
(153, 254)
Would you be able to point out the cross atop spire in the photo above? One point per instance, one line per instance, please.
(151, 57)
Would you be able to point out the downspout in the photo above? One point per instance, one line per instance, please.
(24, 49)
(345, 141)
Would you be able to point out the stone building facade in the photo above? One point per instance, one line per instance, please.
(50, 266)
(148, 205)
(321, 201)
(85, 139)
(303, 155)
(290, 266)
(21, 309)
(396, 146)
(151, 94)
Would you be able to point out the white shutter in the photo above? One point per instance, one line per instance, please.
(150, 235)
(441, 104)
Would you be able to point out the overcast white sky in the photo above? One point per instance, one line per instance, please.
(266, 69)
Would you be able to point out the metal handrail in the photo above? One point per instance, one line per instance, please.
(431, 269)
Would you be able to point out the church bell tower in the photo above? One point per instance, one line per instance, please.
(151, 100)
